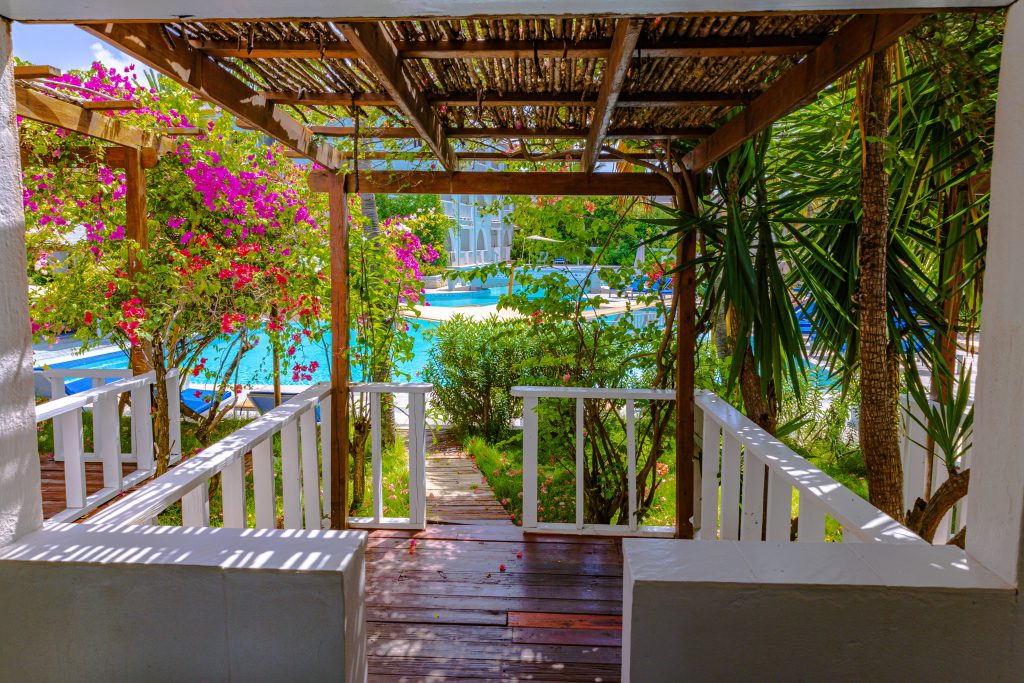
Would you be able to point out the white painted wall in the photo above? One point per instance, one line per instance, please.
(752, 611)
(21, 507)
(171, 10)
(995, 508)
(146, 603)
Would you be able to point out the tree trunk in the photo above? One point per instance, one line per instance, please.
(357, 451)
(879, 416)
(161, 419)
(925, 518)
(762, 407)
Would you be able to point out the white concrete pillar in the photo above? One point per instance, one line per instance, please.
(996, 499)
(21, 508)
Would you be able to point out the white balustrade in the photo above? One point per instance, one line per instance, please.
(416, 446)
(69, 440)
(305, 476)
(531, 396)
(737, 455)
(141, 431)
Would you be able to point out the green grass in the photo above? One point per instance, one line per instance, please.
(502, 467)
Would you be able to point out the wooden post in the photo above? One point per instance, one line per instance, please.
(339, 352)
(137, 227)
(686, 350)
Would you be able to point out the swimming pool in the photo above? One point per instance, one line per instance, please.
(256, 366)
(488, 296)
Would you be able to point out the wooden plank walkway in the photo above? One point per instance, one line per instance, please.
(457, 492)
(439, 607)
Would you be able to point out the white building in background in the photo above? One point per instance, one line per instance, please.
(483, 235)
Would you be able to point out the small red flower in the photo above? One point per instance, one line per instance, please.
(501, 568)
(519, 555)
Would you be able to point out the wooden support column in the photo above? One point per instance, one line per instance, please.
(137, 229)
(686, 352)
(337, 200)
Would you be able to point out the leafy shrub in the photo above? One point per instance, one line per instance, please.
(473, 366)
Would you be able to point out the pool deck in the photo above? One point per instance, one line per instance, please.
(444, 313)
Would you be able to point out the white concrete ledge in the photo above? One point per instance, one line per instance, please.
(97, 602)
(734, 610)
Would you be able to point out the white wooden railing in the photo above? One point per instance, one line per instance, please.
(305, 479)
(68, 439)
(531, 396)
(915, 459)
(736, 455)
(58, 376)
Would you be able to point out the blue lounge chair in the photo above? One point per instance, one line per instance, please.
(264, 401)
(201, 403)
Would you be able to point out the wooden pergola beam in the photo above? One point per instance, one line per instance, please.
(51, 111)
(498, 182)
(112, 157)
(406, 133)
(620, 56)
(858, 39)
(379, 54)
(33, 71)
(563, 155)
(676, 100)
(173, 57)
(109, 105)
(742, 46)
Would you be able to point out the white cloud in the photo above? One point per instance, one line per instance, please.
(116, 59)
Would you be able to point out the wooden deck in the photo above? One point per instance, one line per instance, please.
(443, 609)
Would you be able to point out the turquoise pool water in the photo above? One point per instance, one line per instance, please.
(487, 296)
(257, 365)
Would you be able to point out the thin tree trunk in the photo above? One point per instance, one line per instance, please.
(762, 407)
(161, 419)
(879, 417)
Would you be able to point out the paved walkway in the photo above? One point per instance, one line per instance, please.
(457, 492)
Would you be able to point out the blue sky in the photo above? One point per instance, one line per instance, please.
(65, 47)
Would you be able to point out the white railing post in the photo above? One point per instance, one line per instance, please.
(174, 413)
(325, 453)
(106, 434)
(263, 493)
(780, 509)
(580, 435)
(529, 462)
(310, 468)
(195, 506)
(730, 487)
(753, 497)
(69, 425)
(631, 462)
(142, 426)
(810, 525)
(709, 470)
(233, 493)
(376, 460)
(417, 460)
(290, 476)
